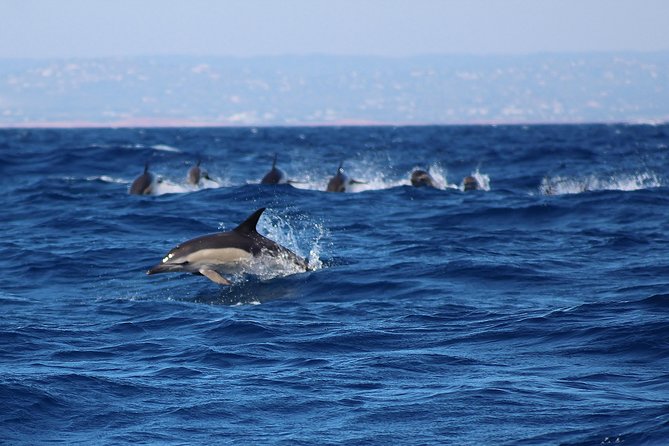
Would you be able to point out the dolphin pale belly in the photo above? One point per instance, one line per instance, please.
(224, 252)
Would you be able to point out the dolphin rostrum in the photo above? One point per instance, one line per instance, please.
(213, 254)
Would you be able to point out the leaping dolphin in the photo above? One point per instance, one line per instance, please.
(194, 174)
(340, 182)
(275, 175)
(470, 183)
(143, 183)
(421, 177)
(213, 254)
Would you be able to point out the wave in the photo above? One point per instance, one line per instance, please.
(560, 185)
(108, 179)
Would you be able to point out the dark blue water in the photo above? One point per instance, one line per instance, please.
(535, 311)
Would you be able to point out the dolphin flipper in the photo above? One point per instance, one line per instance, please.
(214, 276)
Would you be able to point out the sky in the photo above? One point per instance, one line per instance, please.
(396, 28)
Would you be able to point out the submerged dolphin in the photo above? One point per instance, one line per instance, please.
(275, 175)
(143, 183)
(340, 182)
(421, 177)
(213, 254)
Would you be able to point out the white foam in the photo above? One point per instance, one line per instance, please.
(627, 182)
(165, 148)
(482, 178)
(163, 186)
(439, 174)
(108, 179)
(302, 236)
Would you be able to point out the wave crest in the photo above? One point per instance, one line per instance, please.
(560, 185)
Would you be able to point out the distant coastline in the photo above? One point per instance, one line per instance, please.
(189, 91)
(151, 123)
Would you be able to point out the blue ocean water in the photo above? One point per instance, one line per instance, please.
(535, 311)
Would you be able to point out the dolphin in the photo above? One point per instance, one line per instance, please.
(143, 183)
(275, 175)
(421, 177)
(340, 182)
(194, 174)
(224, 252)
(470, 183)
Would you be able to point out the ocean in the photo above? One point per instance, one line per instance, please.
(532, 311)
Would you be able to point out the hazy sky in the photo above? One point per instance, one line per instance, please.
(91, 28)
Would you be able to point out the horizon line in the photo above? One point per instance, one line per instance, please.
(176, 123)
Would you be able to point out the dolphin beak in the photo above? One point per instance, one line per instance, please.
(159, 268)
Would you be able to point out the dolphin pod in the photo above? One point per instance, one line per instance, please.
(144, 184)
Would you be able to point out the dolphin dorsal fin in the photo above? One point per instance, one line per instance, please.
(249, 225)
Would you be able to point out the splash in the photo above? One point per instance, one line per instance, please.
(568, 185)
(370, 177)
(162, 186)
(439, 174)
(302, 236)
(166, 148)
(108, 179)
(481, 178)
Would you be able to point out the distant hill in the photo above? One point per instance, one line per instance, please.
(314, 90)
